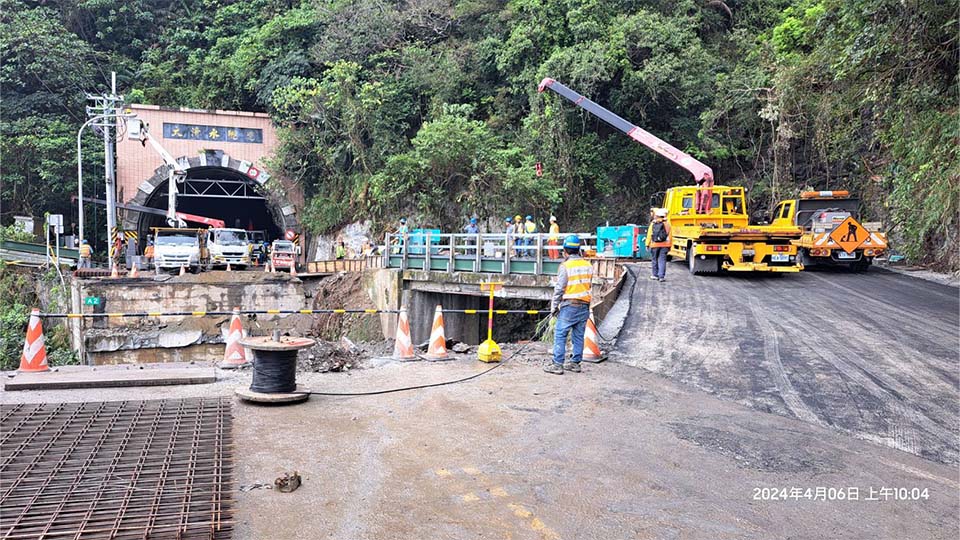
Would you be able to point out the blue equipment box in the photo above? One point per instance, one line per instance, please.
(418, 240)
(625, 241)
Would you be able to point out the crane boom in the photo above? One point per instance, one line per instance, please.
(702, 174)
(178, 173)
(212, 222)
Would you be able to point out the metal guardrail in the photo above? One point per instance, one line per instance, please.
(494, 253)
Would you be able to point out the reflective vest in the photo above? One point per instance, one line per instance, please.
(530, 227)
(85, 251)
(579, 280)
(148, 252)
(554, 231)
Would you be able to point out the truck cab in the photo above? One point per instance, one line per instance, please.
(175, 248)
(819, 214)
(228, 246)
(723, 238)
(283, 254)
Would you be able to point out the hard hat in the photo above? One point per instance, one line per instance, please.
(473, 220)
(529, 218)
(403, 220)
(517, 218)
(83, 241)
(507, 220)
(660, 212)
(572, 242)
(553, 218)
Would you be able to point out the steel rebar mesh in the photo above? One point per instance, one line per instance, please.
(124, 469)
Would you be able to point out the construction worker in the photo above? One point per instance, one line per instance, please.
(340, 251)
(530, 228)
(571, 306)
(508, 230)
(554, 238)
(518, 230)
(658, 242)
(472, 229)
(86, 254)
(401, 236)
(148, 253)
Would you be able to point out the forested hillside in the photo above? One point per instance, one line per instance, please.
(429, 108)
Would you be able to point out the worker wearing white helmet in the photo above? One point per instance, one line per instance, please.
(658, 243)
(554, 238)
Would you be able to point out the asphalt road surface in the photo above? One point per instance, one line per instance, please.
(874, 355)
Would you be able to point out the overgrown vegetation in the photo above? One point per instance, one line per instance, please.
(429, 108)
(22, 290)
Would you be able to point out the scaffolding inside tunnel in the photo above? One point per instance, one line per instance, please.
(220, 193)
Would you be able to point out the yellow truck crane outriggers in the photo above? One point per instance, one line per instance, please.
(709, 224)
(831, 233)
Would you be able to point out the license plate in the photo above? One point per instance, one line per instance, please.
(780, 257)
(845, 255)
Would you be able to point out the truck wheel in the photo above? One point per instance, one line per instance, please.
(861, 266)
(803, 257)
(699, 266)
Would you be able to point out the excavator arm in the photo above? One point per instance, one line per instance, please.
(702, 174)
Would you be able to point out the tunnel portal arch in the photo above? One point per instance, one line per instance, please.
(217, 186)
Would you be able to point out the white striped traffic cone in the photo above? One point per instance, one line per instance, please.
(34, 357)
(229, 269)
(183, 270)
(438, 341)
(266, 268)
(234, 356)
(403, 346)
(591, 345)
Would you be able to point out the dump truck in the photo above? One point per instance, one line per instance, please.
(710, 228)
(832, 234)
(174, 248)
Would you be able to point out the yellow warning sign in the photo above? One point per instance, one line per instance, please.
(849, 234)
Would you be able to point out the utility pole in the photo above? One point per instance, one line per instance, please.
(103, 113)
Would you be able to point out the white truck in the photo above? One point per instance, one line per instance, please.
(174, 248)
(228, 246)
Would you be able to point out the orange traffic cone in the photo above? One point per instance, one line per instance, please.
(134, 273)
(403, 347)
(34, 357)
(591, 347)
(438, 341)
(234, 356)
(183, 270)
(293, 269)
(114, 273)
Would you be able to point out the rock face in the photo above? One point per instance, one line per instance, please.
(136, 339)
(352, 236)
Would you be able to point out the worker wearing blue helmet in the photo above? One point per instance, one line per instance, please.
(571, 306)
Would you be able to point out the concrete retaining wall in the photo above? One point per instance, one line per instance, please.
(159, 339)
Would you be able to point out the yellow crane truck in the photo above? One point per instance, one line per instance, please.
(710, 228)
(831, 233)
(722, 238)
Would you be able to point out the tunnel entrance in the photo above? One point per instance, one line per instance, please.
(220, 193)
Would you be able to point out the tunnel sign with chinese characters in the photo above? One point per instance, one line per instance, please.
(196, 132)
(849, 234)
